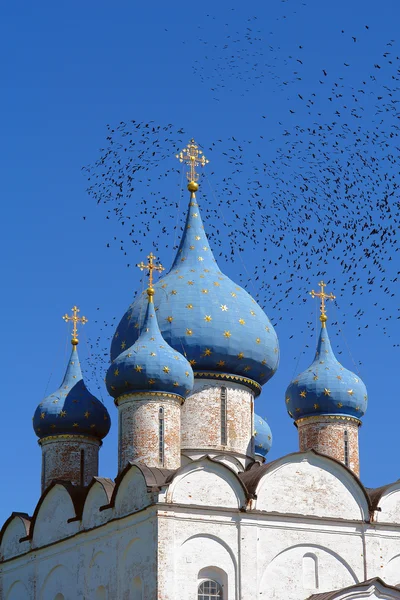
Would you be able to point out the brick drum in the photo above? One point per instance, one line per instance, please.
(327, 436)
(72, 458)
(139, 428)
(201, 418)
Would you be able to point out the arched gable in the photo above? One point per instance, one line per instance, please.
(388, 505)
(98, 495)
(15, 529)
(206, 482)
(16, 591)
(311, 484)
(56, 515)
(131, 493)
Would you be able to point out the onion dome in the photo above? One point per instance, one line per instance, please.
(150, 365)
(72, 409)
(221, 329)
(262, 437)
(326, 388)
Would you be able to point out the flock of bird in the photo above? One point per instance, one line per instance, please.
(318, 200)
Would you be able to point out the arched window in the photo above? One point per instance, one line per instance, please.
(346, 447)
(224, 436)
(209, 590)
(101, 593)
(161, 436)
(310, 571)
(59, 597)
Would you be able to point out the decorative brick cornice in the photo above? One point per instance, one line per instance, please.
(145, 395)
(70, 438)
(256, 387)
(322, 418)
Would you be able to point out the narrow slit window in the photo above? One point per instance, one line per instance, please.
(223, 417)
(82, 467)
(161, 436)
(346, 448)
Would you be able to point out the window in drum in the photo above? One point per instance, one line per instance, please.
(82, 470)
(346, 448)
(224, 432)
(161, 436)
(209, 590)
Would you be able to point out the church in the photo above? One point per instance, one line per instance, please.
(196, 511)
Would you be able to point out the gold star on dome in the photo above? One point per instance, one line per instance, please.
(116, 334)
(208, 318)
(197, 238)
(264, 361)
(205, 248)
(187, 373)
(365, 396)
(138, 368)
(173, 292)
(200, 258)
(275, 350)
(258, 341)
(176, 384)
(63, 413)
(207, 352)
(253, 313)
(189, 332)
(227, 334)
(240, 355)
(205, 291)
(164, 285)
(123, 345)
(297, 410)
(53, 426)
(152, 354)
(195, 215)
(315, 377)
(267, 329)
(350, 392)
(216, 283)
(190, 306)
(176, 357)
(92, 426)
(42, 415)
(233, 294)
(116, 372)
(166, 369)
(151, 381)
(223, 307)
(169, 319)
(86, 414)
(303, 393)
(357, 408)
(326, 392)
(242, 321)
(287, 399)
(247, 368)
(192, 362)
(221, 363)
(191, 247)
(190, 282)
(339, 405)
(75, 425)
(316, 406)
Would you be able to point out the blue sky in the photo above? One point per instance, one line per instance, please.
(69, 70)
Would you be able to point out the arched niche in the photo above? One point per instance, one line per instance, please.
(99, 495)
(309, 565)
(59, 584)
(51, 522)
(17, 591)
(208, 557)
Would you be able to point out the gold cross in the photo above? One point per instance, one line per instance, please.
(151, 267)
(323, 296)
(75, 320)
(193, 157)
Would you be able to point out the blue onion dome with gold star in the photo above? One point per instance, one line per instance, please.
(262, 437)
(150, 365)
(202, 313)
(72, 409)
(326, 388)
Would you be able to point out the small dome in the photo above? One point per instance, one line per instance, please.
(71, 409)
(262, 437)
(221, 328)
(326, 388)
(150, 364)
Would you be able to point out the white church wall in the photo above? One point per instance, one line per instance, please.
(16, 529)
(383, 553)
(206, 482)
(389, 505)
(92, 516)
(132, 493)
(311, 485)
(51, 523)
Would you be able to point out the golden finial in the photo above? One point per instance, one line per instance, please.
(323, 318)
(193, 157)
(151, 267)
(75, 320)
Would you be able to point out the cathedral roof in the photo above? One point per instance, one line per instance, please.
(149, 364)
(262, 437)
(201, 312)
(71, 409)
(326, 387)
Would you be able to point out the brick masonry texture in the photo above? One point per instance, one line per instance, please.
(328, 437)
(138, 438)
(201, 417)
(62, 458)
